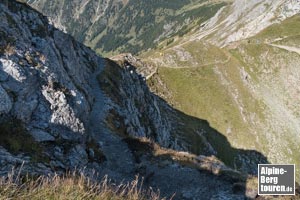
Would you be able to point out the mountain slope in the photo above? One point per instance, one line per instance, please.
(116, 26)
(64, 108)
(248, 89)
(236, 67)
(244, 19)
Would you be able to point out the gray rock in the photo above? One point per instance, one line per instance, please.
(41, 136)
(7, 158)
(3, 75)
(58, 153)
(57, 164)
(5, 102)
(77, 157)
(13, 70)
(47, 75)
(62, 112)
(91, 153)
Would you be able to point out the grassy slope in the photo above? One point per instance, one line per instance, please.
(208, 91)
(244, 97)
(288, 28)
(276, 73)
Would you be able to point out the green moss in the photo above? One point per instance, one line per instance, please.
(15, 138)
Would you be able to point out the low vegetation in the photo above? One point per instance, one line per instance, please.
(143, 146)
(72, 186)
(287, 28)
(15, 138)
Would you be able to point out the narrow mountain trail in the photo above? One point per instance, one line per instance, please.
(197, 66)
(119, 159)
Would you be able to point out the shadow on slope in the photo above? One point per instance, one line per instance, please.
(188, 133)
(167, 169)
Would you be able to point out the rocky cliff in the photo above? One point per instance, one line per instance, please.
(45, 85)
(50, 84)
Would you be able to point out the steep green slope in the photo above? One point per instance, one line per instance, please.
(115, 26)
(211, 88)
(248, 91)
(272, 61)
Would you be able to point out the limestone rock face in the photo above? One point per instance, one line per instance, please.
(141, 104)
(44, 82)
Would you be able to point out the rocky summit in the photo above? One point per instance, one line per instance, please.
(212, 94)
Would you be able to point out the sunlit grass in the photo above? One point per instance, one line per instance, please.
(71, 186)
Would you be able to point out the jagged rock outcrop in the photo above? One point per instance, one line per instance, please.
(45, 81)
(142, 113)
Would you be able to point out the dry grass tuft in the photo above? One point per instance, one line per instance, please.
(71, 186)
(210, 164)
